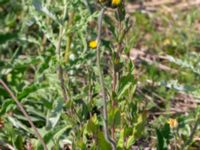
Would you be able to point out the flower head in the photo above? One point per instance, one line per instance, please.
(93, 44)
(116, 2)
(166, 42)
(172, 123)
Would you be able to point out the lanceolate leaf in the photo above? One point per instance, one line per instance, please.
(102, 143)
(4, 37)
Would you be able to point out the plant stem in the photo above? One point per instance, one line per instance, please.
(60, 69)
(59, 56)
(20, 106)
(67, 50)
(105, 114)
(114, 76)
(185, 146)
(69, 37)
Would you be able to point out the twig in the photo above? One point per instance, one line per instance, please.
(24, 113)
(105, 114)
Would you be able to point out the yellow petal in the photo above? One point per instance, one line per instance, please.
(172, 123)
(166, 42)
(93, 44)
(116, 2)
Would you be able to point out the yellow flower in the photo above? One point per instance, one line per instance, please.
(172, 123)
(116, 2)
(166, 42)
(93, 44)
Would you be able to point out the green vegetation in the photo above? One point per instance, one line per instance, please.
(99, 75)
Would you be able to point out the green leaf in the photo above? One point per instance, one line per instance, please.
(130, 141)
(18, 142)
(54, 135)
(139, 126)
(3, 1)
(61, 131)
(19, 125)
(7, 106)
(163, 137)
(120, 142)
(39, 7)
(55, 114)
(102, 143)
(92, 124)
(7, 36)
(30, 89)
(114, 117)
(37, 4)
(124, 89)
(126, 82)
(121, 13)
(166, 132)
(160, 144)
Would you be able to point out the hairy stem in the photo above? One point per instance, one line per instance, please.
(105, 114)
(114, 76)
(185, 146)
(59, 56)
(69, 37)
(20, 106)
(60, 69)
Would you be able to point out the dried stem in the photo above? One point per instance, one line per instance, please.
(24, 113)
(105, 114)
